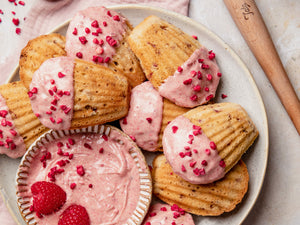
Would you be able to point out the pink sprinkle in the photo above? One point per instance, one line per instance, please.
(95, 34)
(204, 66)
(104, 23)
(75, 31)
(181, 154)
(188, 154)
(13, 12)
(219, 74)
(66, 93)
(197, 88)
(55, 88)
(83, 40)
(212, 145)
(199, 75)
(209, 97)
(101, 150)
(179, 69)
(60, 152)
(152, 214)
(107, 59)
(116, 18)
(52, 81)
(175, 207)
(149, 120)
(37, 114)
(204, 163)
(13, 132)
(61, 75)
(16, 21)
(50, 92)
(67, 110)
(223, 96)
(54, 102)
(52, 120)
(222, 163)
(30, 94)
(71, 156)
(200, 60)
(101, 42)
(194, 98)
(124, 121)
(132, 137)
(206, 89)
(105, 137)
(71, 141)
(192, 164)
(212, 56)
(207, 151)
(176, 215)
(209, 77)
(193, 73)
(148, 223)
(90, 185)
(174, 129)
(49, 113)
(8, 123)
(0, 20)
(188, 81)
(95, 24)
(99, 31)
(95, 41)
(108, 13)
(195, 37)
(86, 145)
(164, 209)
(183, 169)
(191, 137)
(59, 120)
(63, 107)
(3, 113)
(72, 186)
(1, 12)
(187, 147)
(80, 170)
(79, 55)
(59, 144)
(87, 30)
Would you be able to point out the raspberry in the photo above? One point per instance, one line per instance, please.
(74, 215)
(47, 197)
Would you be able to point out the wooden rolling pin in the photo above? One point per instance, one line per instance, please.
(251, 25)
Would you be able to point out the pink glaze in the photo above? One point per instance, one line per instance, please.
(52, 93)
(191, 154)
(11, 142)
(105, 182)
(94, 34)
(143, 121)
(195, 82)
(164, 214)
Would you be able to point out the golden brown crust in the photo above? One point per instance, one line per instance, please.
(229, 126)
(125, 62)
(170, 112)
(206, 200)
(161, 48)
(26, 123)
(100, 95)
(37, 51)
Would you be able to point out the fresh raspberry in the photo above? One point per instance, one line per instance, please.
(74, 215)
(47, 197)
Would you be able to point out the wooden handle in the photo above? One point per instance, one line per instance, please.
(251, 25)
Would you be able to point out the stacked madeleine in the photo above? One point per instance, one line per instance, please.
(97, 75)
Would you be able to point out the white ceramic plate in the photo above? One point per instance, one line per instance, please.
(237, 83)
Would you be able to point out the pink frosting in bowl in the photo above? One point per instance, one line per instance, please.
(99, 168)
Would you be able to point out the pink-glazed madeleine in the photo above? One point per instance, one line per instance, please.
(160, 214)
(11, 143)
(144, 118)
(190, 153)
(94, 34)
(52, 93)
(195, 82)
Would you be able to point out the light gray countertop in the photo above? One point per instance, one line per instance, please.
(279, 201)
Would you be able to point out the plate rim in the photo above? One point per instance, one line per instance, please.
(217, 39)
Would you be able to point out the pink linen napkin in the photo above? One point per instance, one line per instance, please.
(46, 15)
